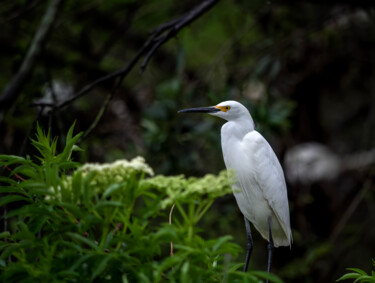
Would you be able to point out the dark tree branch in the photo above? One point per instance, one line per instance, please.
(156, 39)
(14, 88)
(159, 29)
(171, 28)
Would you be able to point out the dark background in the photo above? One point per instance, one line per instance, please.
(303, 68)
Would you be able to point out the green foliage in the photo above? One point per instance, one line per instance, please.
(108, 222)
(274, 117)
(359, 275)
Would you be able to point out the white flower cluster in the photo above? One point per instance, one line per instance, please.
(101, 176)
(110, 173)
(119, 168)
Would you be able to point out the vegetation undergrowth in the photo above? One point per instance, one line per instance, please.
(359, 275)
(67, 222)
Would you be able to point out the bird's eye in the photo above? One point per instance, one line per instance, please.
(223, 108)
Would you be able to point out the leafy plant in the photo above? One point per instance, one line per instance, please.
(359, 275)
(109, 222)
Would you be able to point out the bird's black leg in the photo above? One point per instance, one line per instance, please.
(249, 244)
(269, 247)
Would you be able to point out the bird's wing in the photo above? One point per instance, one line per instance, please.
(269, 176)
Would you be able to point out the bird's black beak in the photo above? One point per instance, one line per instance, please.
(210, 109)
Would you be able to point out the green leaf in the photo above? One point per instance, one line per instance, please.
(360, 271)
(71, 208)
(266, 275)
(99, 268)
(235, 267)
(80, 261)
(185, 248)
(36, 187)
(25, 170)
(5, 235)
(184, 277)
(77, 186)
(8, 181)
(165, 265)
(67, 165)
(112, 189)
(29, 210)
(12, 198)
(82, 240)
(108, 240)
(143, 278)
(68, 273)
(23, 232)
(7, 189)
(109, 203)
(69, 145)
(87, 190)
(43, 145)
(6, 160)
(348, 276)
(365, 278)
(165, 234)
(220, 242)
(11, 248)
(72, 247)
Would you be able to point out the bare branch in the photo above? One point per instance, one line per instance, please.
(13, 89)
(173, 27)
(155, 40)
(350, 210)
(98, 116)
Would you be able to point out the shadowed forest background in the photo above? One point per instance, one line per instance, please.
(305, 69)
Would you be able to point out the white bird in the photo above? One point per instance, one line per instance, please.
(260, 188)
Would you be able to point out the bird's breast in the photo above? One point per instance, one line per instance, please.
(247, 192)
(238, 159)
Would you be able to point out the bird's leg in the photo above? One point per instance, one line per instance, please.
(269, 247)
(249, 244)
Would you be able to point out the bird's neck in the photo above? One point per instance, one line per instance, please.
(238, 128)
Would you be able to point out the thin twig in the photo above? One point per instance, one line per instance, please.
(351, 209)
(14, 88)
(15, 175)
(99, 116)
(28, 7)
(103, 108)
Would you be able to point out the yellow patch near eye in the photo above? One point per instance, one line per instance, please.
(223, 108)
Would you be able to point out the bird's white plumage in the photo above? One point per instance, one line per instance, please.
(260, 190)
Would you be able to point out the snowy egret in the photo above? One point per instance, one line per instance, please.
(260, 188)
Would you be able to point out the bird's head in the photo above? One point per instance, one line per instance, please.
(229, 110)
